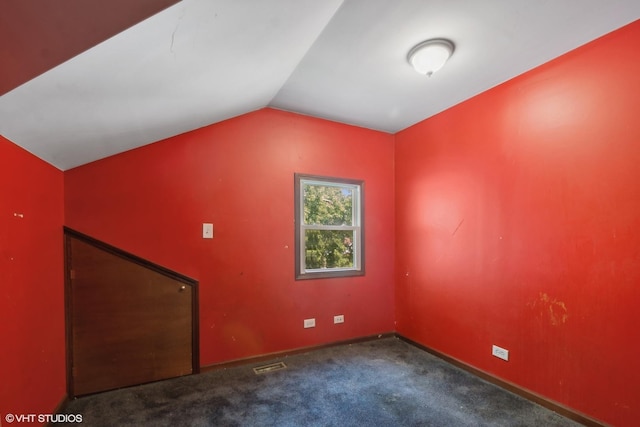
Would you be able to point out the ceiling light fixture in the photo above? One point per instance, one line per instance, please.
(431, 55)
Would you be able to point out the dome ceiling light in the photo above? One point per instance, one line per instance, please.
(431, 55)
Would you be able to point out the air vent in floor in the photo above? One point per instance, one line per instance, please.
(269, 368)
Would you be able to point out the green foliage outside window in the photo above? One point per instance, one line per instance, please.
(328, 206)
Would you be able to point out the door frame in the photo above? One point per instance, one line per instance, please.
(188, 281)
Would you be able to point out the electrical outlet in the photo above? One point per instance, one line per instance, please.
(309, 323)
(499, 352)
(338, 319)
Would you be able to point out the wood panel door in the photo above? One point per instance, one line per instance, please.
(128, 321)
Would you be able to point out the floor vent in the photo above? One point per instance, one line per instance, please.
(269, 368)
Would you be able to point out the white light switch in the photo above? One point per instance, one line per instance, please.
(207, 231)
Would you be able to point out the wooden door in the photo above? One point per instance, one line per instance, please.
(128, 321)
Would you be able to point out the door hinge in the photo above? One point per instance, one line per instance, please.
(72, 274)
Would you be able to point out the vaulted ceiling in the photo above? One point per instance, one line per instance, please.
(85, 79)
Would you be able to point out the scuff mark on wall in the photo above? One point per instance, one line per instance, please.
(457, 228)
(550, 308)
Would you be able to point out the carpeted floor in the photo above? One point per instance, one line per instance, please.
(384, 382)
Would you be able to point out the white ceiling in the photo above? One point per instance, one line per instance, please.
(203, 61)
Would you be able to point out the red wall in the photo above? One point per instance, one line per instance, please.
(32, 359)
(518, 224)
(239, 175)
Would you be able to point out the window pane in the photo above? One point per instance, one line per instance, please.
(328, 248)
(328, 205)
(329, 227)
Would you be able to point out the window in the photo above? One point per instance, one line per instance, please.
(329, 227)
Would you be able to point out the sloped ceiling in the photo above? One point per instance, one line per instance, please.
(198, 62)
(37, 35)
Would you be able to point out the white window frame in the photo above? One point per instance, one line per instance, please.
(356, 187)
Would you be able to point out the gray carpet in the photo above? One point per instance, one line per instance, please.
(384, 382)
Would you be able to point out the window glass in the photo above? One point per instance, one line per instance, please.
(329, 232)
